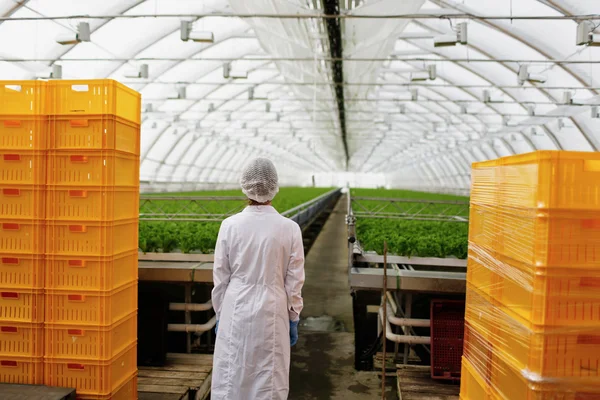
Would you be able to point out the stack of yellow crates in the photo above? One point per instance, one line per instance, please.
(69, 183)
(532, 329)
(92, 233)
(23, 132)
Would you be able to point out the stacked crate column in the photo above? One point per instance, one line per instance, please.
(23, 140)
(533, 308)
(92, 213)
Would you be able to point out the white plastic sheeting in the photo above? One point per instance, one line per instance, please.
(416, 134)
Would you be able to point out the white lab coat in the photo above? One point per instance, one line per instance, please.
(258, 276)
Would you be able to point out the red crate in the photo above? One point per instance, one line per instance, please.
(23, 132)
(447, 335)
(91, 273)
(22, 201)
(23, 271)
(94, 132)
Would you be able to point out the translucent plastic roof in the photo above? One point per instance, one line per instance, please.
(201, 127)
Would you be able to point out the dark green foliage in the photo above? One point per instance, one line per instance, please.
(189, 237)
(412, 238)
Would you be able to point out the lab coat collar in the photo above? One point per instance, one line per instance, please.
(260, 209)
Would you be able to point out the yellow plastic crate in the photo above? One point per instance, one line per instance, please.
(22, 132)
(22, 236)
(101, 96)
(539, 180)
(91, 273)
(22, 271)
(550, 352)
(79, 239)
(21, 370)
(541, 296)
(93, 168)
(90, 342)
(21, 339)
(103, 204)
(22, 167)
(508, 383)
(90, 308)
(472, 385)
(92, 377)
(21, 305)
(128, 391)
(23, 97)
(22, 201)
(94, 132)
(551, 238)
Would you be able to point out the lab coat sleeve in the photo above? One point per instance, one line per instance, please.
(294, 278)
(221, 270)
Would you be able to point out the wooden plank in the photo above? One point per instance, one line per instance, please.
(415, 383)
(159, 396)
(172, 382)
(190, 359)
(171, 374)
(180, 367)
(162, 389)
(204, 390)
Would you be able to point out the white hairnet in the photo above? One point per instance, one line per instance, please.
(259, 180)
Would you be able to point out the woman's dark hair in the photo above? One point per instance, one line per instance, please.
(256, 203)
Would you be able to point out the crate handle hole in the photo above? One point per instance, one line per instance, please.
(79, 123)
(10, 227)
(80, 88)
(9, 329)
(10, 260)
(588, 339)
(12, 124)
(79, 367)
(11, 192)
(77, 228)
(77, 263)
(76, 297)
(9, 295)
(75, 332)
(78, 193)
(12, 157)
(13, 88)
(79, 159)
(6, 363)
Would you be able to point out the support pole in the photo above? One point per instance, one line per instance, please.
(384, 306)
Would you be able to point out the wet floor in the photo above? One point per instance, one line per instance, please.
(323, 360)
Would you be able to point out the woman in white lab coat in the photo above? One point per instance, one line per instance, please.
(258, 276)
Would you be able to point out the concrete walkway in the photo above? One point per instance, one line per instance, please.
(323, 360)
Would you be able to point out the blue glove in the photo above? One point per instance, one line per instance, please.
(294, 332)
(217, 327)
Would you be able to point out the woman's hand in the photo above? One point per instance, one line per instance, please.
(294, 332)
